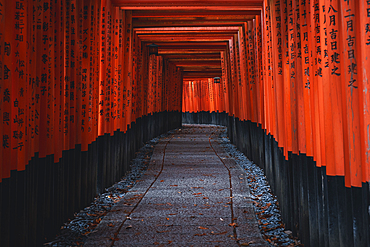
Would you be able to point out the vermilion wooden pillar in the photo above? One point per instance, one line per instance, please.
(277, 46)
(307, 75)
(362, 12)
(127, 75)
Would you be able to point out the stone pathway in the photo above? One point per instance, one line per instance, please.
(193, 194)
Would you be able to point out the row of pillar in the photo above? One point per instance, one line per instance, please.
(79, 96)
(297, 104)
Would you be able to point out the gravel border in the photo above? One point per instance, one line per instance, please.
(266, 205)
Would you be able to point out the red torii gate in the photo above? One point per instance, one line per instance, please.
(292, 71)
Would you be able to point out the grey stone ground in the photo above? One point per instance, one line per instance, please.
(188, 202)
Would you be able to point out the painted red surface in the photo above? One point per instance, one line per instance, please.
(74, 70)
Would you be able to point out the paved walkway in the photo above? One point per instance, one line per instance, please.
(193, 194)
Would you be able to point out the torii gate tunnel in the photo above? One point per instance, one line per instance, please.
(80, 94)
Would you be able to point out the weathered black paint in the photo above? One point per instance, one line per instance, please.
(318, 208)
